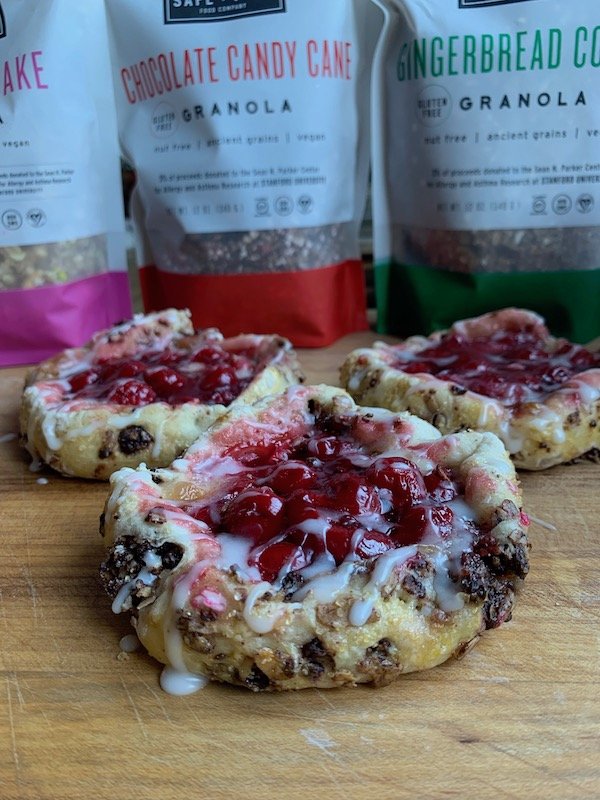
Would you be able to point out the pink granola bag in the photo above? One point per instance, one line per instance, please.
(62, 243)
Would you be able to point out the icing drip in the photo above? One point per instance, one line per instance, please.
(180, 684)
(176, 678)
(361, 609)
(448, 595)
(145, 576)
(265, 622)
(235, 551)
(327, 581)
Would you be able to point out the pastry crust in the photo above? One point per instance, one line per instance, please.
(555, 428)
(199, 607)
(91, 438)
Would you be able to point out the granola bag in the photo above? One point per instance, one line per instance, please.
(247, 125)
(62, 254)
(487, 162)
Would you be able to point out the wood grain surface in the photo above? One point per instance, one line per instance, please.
(517, 717)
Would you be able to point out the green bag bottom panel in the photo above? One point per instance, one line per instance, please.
(420, 299)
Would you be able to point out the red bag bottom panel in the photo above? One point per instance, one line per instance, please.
(312, 307)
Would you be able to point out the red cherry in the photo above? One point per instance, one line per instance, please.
(303, 505)
(324, 447)
(223, 397)
(354, 494)
(420, 522)
(218, 377)
(132, 393)
(290, 476)
(416, 366)
(169, 357)
(121, 369)
(164, 380)
(583, 359)
(508, 366)
(338, 540)
(373, 543)
(449, 345)
(399, 476)
(440, 486)
(239, 362)
(311, 543)
(202, 514)
(80, 380)
(258, 455)
(208, 355)
(271, 560)
(255, 513)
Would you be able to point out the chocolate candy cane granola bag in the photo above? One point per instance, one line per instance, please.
(62, 254)
(247, 124)
(487, 162)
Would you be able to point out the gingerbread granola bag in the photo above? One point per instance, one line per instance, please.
(487, 162)
(247, 126)
(62, 254)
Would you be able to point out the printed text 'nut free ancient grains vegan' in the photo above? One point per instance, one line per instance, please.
(247, 125)
(62, 254)
(487, 162)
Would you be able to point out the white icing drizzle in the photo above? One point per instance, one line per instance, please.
(326, 583)
(355, 380)
(488, 408)
(181, 683)
(145, 575)
(235, 551)
(512, 438)
(361, 609)
(462, 536)
(324, 562)
(126, 479)
(49, 425)
(82, 430)
(158, 438)
(215, 465)
(265, 622)
(119, 421)
(447, 592)
(183, 524)
(176, 678)
(586, 390)
(42, 481)
(318, 526)
(374, 522)
(152, 560)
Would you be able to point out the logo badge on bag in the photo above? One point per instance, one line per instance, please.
(481, 3)
(177, 11)
(2, 24)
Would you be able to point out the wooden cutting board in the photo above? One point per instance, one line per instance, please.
(517, 717)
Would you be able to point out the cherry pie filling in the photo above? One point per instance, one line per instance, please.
(325, 498)
(210, 374)
(513, 367)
